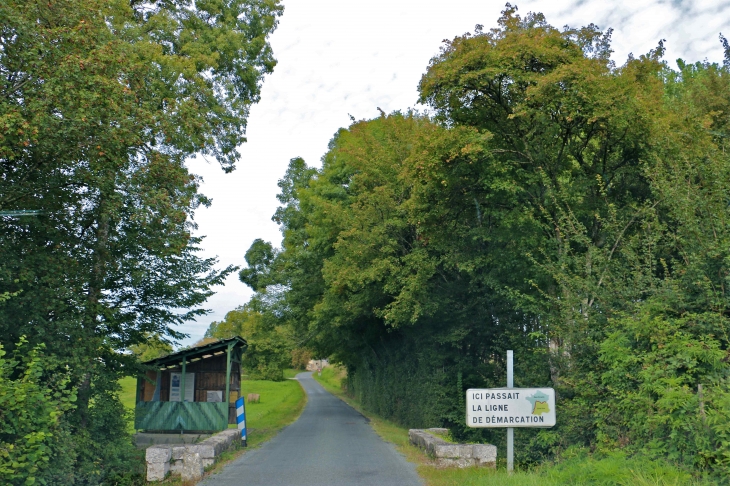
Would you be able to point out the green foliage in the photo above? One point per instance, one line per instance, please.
(576, 465)
(666, 379)
(34, 396)
(391, 389)
(259, 258)
(558, 205)
(300, 358)
(153, 348)
(104, 449)
(618, 469)
(268, 353)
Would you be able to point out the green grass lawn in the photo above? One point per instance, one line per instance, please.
(582, 469)
(290, 373)
(128, 397)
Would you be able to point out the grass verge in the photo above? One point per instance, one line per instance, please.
(128, 397)
(281, 404)
(580, 469)
(291, 373)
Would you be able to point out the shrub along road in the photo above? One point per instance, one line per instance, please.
(330, 444)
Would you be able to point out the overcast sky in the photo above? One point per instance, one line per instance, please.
(339, 57)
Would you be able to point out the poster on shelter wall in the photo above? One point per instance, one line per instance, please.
(215, 396)
(175, 383)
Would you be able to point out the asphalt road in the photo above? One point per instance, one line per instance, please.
(330, 444)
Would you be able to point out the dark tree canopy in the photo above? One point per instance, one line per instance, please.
(556, 204)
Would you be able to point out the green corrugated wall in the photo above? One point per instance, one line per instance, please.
(181, 416)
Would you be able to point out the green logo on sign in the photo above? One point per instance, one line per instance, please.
(539, 403)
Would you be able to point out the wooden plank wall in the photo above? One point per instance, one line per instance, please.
(210, 374)
(148, 389)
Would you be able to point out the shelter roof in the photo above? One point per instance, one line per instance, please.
(201, 351)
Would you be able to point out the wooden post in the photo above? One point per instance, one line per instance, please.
(182, 380)
(228, 373)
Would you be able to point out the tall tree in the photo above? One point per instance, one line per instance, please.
(101, 102)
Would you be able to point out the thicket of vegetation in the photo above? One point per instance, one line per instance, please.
(101, 102)
(553, 203)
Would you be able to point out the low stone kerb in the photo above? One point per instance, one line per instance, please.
(187, 459)
(447, 454)
(157, 454)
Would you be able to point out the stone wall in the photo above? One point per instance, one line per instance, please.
(188, 460)
(448, 454)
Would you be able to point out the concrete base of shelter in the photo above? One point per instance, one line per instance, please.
(447, 454)
(188, 460)
(143, 440)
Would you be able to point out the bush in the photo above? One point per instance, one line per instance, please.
(617, 468)
(654, 364)
(300, 358)
(106, 453)
(34, 395)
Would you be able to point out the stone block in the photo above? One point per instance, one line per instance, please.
(224, 440)
(420, 439)
(158, 454)
(177, 452)
(156, 471)
(205, 449)
(455, 462)
(176, 466)
(453, 455)
(438, 430)
(448, 450)
(219, 444)
(188, 460)
(192, 469)
(485, 454)
(465, 451)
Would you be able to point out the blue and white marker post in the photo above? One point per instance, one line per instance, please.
(241, 418)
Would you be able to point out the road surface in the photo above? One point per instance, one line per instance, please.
(330, 444)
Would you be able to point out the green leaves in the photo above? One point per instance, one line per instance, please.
(269, 346)
(558, 205)
(260, 256)
(34, 397)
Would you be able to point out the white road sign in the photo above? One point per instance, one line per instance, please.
(510, 407)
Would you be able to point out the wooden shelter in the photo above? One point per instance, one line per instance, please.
(191, 390)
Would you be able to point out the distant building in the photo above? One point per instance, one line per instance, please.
(317, 364)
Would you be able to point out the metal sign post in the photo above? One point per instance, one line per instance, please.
(510, 430)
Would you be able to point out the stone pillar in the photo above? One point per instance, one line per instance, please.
(158, 462)
(192, 469)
